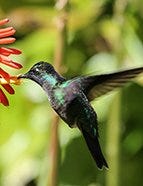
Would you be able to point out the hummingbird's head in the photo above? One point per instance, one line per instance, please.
(43, 73)
(38, 71)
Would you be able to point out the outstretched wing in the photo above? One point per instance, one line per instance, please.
(95, 86)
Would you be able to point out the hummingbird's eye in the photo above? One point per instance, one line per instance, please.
(36, 69)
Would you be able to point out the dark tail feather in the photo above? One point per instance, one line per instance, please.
(94, 147)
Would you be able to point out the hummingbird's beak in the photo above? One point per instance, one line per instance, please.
(23, 76)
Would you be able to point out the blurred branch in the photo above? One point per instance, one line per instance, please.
(59, 58)
(119, 9)
(61, 23)
(53, 153)
(113, 140)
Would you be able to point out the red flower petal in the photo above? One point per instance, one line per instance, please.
(8, 88)
(4, 58)
(15, 65)
(7, 33)
(12, 64)
(14, 51)
(6, 29)
(4, 51)
(7, 40)
(7, 61)
(7, 51)
(3, 99)
(4, 74)
(4, 21)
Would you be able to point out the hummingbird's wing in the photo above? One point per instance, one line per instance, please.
(95, 86)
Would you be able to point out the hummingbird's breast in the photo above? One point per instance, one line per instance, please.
(60, 99)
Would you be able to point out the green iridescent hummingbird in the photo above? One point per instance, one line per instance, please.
(71, 99)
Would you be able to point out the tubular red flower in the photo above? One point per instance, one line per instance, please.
(7, 40)
(8, 88)
(3, 98)
(3, 21)
(5, 78)
(6, 29)
(8, 51)
(4, 74)
(5, 60)
(7, 32)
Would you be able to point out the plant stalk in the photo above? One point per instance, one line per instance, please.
(113, 142)
(60, 56)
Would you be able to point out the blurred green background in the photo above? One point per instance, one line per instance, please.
(103, 36)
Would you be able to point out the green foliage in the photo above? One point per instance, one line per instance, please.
(103, 36)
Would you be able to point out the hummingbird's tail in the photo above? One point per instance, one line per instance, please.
(94, 147)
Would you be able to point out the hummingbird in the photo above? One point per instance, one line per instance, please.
(71, 98)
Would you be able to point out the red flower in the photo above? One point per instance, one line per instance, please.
(5, 78)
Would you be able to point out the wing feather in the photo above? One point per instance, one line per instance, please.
(98, 85)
